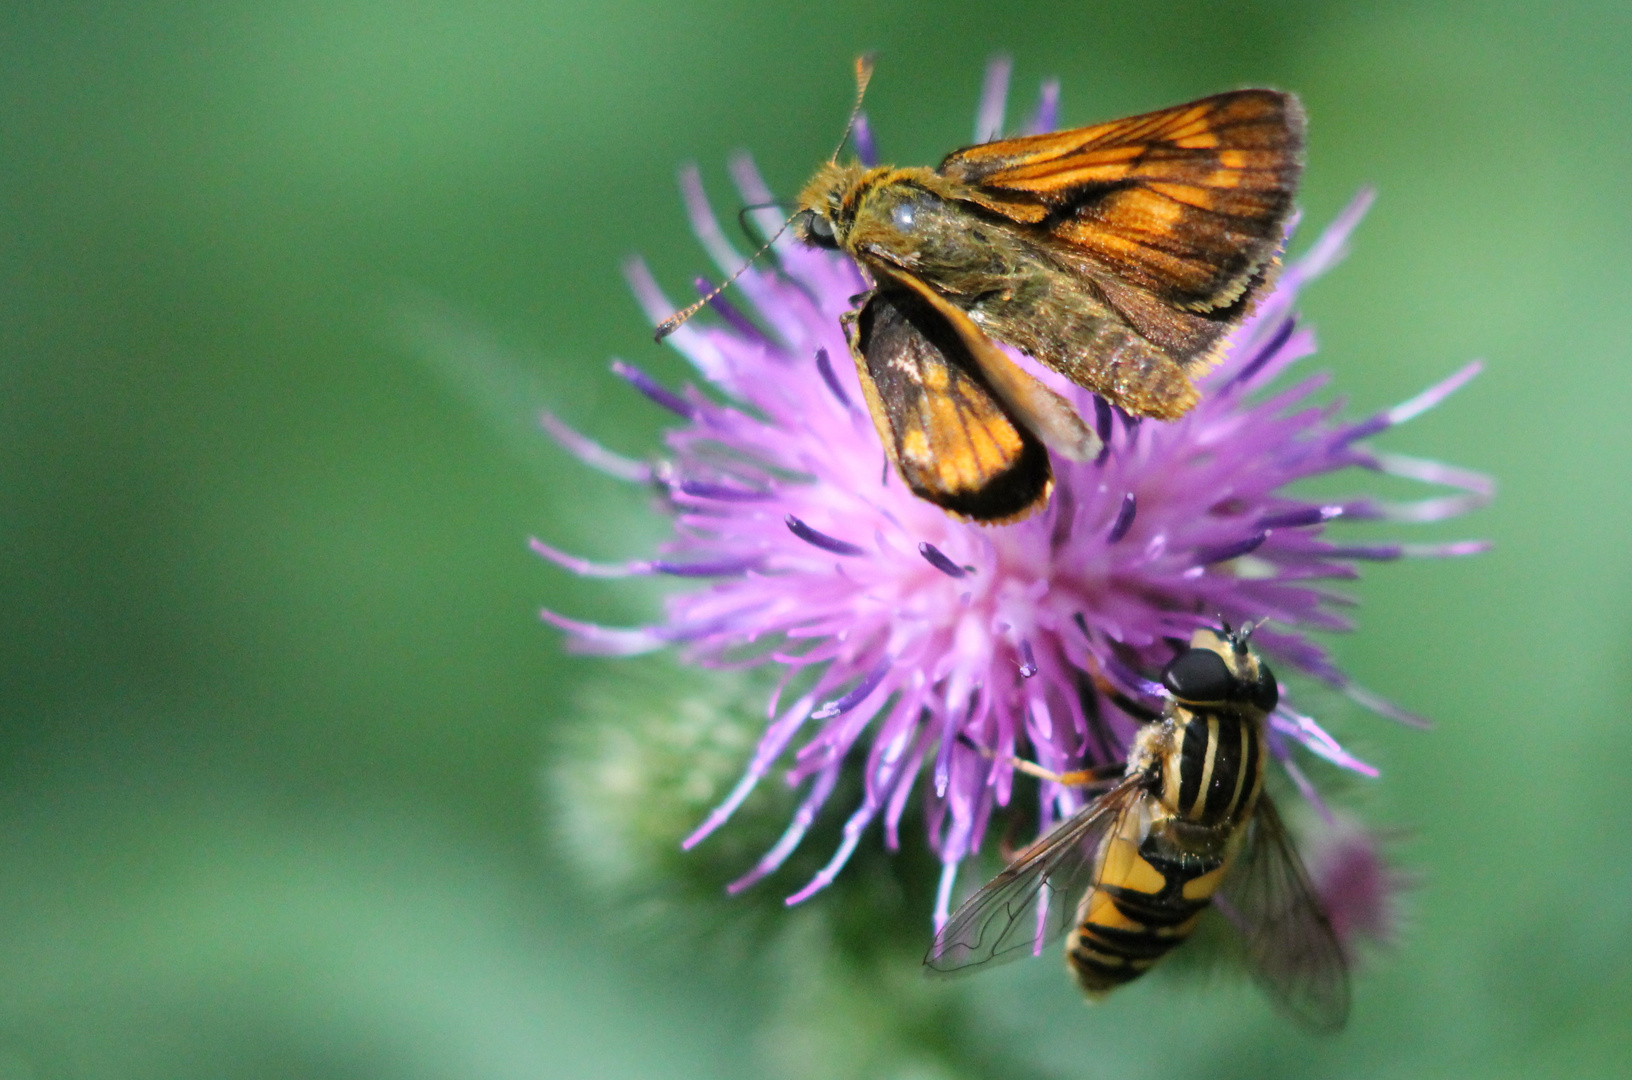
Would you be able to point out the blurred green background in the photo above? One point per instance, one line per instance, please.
(275, 706)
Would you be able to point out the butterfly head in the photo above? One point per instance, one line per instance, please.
(827, 205)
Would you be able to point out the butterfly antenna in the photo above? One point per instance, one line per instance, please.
(675, 321)
(864, 73)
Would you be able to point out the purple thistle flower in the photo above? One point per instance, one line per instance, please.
(898, 628)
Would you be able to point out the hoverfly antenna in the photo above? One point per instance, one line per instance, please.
(864, 73)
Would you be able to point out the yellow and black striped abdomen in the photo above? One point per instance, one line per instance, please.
(1167, 853)
(1156, 876)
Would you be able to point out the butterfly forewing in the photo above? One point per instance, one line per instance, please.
(999, 922)
(1187, 202)
(952, 439)
(1291, 947)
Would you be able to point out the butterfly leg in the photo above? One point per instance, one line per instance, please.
(848, 319)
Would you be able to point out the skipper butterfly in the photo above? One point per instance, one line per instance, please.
(1120, 255)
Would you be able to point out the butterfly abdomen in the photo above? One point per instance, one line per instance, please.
(1072, 328)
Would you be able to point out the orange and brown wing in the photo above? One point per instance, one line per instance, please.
(1188, 203)
(950, 436)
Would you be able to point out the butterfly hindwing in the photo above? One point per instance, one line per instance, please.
(950, 437)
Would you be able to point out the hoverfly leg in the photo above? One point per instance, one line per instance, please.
(1140, 712)
(1098, 774)
(1122, 701)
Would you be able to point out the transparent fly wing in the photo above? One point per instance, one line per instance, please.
(1000, 922)
(1291, 947)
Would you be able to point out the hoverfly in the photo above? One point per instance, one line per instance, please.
(1120, 255)
(1187, 820)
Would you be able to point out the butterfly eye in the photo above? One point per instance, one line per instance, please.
(1199, 675)
(816, 229)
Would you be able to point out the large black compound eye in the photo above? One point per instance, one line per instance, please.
(816, 229)
(1266, 693)
(1199, 675)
